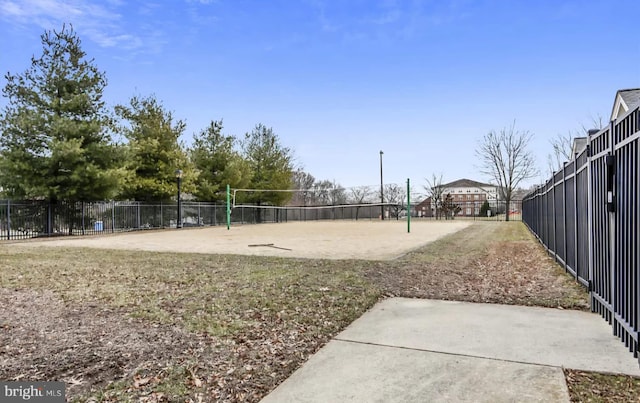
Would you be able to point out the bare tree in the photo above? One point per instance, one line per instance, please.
(596, 122)
(435, 191)
(301, 181)
(337, 194)
(321, 192)
(360, 195)
(396, 195)
(562, 144)
(505, 157)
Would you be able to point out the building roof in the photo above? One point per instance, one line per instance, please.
(631, 97)
(466, 183)
(625, 101)
(579, 144)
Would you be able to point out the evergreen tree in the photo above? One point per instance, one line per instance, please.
(484, 209)
(55, 141)
(218, 164)
(271, 166)
(449, 208)
(154, 151)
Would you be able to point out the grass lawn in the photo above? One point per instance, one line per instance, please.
(148, 326)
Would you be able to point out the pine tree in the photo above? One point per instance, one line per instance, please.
(154, 151)
(56, 142)
(218, 164)
(271, 166)
(484, 209)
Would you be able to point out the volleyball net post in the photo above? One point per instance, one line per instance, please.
(228, 207)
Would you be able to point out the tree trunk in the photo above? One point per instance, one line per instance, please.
(506, 210)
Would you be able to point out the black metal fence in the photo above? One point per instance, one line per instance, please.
(496, 210)
(587, 217)
(30, 219)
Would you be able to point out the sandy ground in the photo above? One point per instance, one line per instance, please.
(369, 240)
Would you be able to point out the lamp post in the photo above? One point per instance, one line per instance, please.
(179, 182)
(381, 189)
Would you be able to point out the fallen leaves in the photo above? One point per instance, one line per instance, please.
(138, 381)
(149, 327)
(480, 267)
(594, 387)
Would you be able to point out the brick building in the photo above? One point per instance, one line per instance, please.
(468, 194)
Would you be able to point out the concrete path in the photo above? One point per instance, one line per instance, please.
(409, 350)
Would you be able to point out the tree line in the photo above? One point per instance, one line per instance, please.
(58, 140)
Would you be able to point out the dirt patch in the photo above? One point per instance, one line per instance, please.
(370, 240)
(101, 354)
(86, 346)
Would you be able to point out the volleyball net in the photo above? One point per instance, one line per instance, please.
(337, 203)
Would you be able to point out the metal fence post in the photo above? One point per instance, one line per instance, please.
(8, 220)
(49, 219)
(612, 239)
(564, 215)
(82, 212)
(553, 214)
(575, 215)
(113, 217)
(590, 226)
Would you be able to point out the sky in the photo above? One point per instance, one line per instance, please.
(341, 80)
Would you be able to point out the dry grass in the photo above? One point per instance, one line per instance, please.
(242, 323)
(489, 262)
(145, 326)
(599, 388)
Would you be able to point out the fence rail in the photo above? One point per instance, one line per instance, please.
(495, 210)
(587, 217)
(31, 219)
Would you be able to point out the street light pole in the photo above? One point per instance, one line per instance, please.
(179, 181)
(381, 189)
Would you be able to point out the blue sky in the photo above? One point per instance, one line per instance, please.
(341, 80)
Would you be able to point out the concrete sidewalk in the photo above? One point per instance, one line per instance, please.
(409, 350)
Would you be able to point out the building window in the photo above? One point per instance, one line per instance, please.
(476, 197)
(468, 210)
